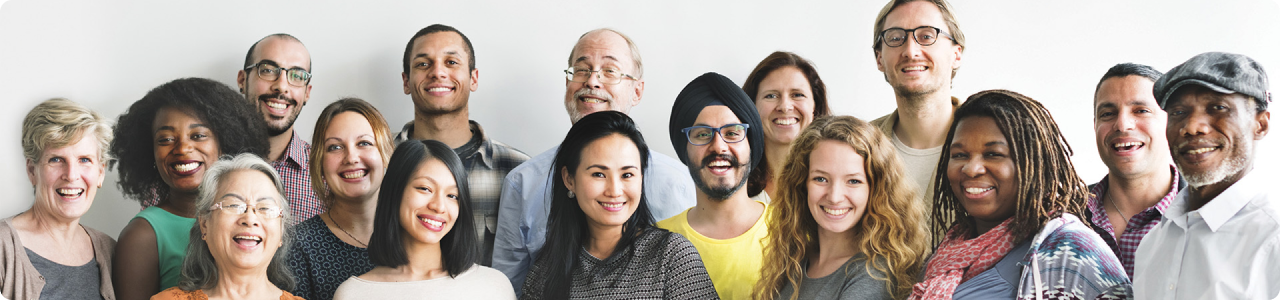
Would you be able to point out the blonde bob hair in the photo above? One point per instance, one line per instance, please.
(57, 123)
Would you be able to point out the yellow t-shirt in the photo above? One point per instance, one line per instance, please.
(733, 264)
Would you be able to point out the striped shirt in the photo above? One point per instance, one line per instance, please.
(1126, 243)
(295, 173)
(659, 264)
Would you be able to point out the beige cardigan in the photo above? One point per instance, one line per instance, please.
(19, 280)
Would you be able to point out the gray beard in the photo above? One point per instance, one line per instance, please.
(720, 193)
(1232, 166)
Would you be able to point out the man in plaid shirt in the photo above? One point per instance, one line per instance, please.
(1141, 180)
(439, 75)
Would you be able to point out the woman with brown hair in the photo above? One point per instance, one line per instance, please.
(788, 95)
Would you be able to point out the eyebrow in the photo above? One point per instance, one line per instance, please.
(584, 57)
(603, 167)
(988, 144)
(192, 126)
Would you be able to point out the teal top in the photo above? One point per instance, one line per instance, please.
(172, 235)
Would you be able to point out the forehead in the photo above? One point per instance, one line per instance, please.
(716, 115)
(1192, 94)
(436, 170)
(348, 122)
(253, 185)
(915, 14)
(86, 145)
(285, 52)
(615, 148)
(1122, 91)
(437, 43)
(786, 75)
(174, 116)
(982, 129)
(602, 45)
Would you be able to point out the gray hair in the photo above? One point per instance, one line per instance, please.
(198, 269)
(57, 123)
(635, 50)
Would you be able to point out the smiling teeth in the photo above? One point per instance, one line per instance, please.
(187, 167)
(70, 191)
(1129, 144)
(1201, 150)
(433, 222)
(248, 237)
(354, 174)
(916, 68)
(787, 121)
(592, 100)
(977, 190)
(718, 163)
(613, 205)
(277, 105)
(835, 212)
(438, 89)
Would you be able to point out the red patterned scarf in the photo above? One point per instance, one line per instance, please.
(958, 260)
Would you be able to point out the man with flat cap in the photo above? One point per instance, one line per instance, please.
(716, 133)
(1220, 239)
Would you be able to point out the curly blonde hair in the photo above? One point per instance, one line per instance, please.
(891, 233)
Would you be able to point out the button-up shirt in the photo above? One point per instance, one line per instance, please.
(1125, 243)
(487, 162)
(295, 173)
(1227, 249)
(526, 204)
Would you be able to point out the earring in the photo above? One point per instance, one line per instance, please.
(202, 235)
(571, 195)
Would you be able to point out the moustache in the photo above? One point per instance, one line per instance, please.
(598, 93)
(1184, 144)
(266, 97)
(733, 160)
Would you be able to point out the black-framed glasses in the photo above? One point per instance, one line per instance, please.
(702, 135)
(606, 75)
(924, 35)
(271, 72)
(265, 210)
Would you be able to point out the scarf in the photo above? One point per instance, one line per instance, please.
(957, 260)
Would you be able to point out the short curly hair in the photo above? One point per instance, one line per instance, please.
(234, 123)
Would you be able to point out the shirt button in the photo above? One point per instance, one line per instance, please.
(1170, 286)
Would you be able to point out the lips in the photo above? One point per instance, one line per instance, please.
(354, 174)
(439, 90)
(277, 104)
(187, 167)
(914, 69)
(247, 241)
(786, 121)
(613, 206)
(836, 212)
(70, 192)
(720, 164)
(432, 223)
(1127, 146)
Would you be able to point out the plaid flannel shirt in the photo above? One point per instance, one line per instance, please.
(1126, 243)
(295, 173)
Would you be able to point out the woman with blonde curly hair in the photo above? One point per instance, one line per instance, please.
(846, 223)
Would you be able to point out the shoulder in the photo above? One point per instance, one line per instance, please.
(138, 230)
(1069, 230)
(479, 273)
(533, 167)
(503, 151)
(285, 295)
(885, 123)
(97, 237)
(6, 229)
(675, 223)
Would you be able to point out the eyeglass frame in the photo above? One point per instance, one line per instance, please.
(716, 131)
(912, 33)
(569, 73)
(277, 69)
(279, 210)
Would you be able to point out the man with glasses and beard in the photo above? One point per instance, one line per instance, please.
(276, 78)
(716, 133)
(1220, 238)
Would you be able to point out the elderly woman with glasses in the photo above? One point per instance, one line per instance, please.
(46, 252)
(239, 244)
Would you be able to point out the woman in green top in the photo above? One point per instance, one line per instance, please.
(163, 143)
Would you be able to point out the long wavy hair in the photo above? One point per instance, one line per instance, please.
(1048, 184)
(890, 234)
(761, 175)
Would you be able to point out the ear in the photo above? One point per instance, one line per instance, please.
(306, 95)
(879, 64)
(242, 79)
(1264, 120)
(475, 79)
(102, 174)
(639, 92)
(404, 77)
(959, 53)
(31, 172)
(204, 228)
(566, 177)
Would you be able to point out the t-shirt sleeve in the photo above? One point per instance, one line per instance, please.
(686, 277)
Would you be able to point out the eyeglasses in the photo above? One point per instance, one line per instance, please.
(271, 72)
(702, 135)
(924, 35)
(606, 76)
(268, 211)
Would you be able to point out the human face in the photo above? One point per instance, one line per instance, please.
(183, 143)
(66, 179)
(278, 101)
(916, 71)
(1212, 135)
(719, 169)
(785, 101)
(607, 182)
(439, 80)
(245, 241)
(430, 203)
(1128, 125)
(837, 186)
(981, 171)
(602, 50)
(352, 161)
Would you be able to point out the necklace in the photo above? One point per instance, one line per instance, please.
(1113, 205)
(335, 223)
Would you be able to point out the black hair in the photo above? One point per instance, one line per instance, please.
(434, 28)
(248, 57)
(459, 249)
(1129, 69)
(234, 122)
(567, 224)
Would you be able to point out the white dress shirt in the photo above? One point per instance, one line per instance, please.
(1227, 249)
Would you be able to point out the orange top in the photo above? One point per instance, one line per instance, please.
(174, 293)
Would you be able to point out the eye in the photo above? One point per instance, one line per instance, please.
(854, 181)
(1219, 107)
(364, 144)
(1143, 111)
(1106, 114)
(993, 154)
(420, 65)
(56, 159)
(332, 148)
(770, 96)
(597, 175)
(959, 155)
(85, 160)
(199, 136)
(452, 196)
(628, 175)
(797, 95)
(451, 62)
(423, 189)
(819, 179)
(1177, 112)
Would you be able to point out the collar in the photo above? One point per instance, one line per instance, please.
(1220, 209)
(296, 151)
(1099, 190)
(479, 142)
(892, 119)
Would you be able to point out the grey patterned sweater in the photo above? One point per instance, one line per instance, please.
(658, 265)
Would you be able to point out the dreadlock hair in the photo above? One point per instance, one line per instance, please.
(1047, 182)
(890, 233)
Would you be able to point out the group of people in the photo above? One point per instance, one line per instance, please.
(770, 196)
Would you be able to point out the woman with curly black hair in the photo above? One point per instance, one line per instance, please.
(162, 144)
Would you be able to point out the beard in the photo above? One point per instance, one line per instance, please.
(278, 127)
(720, 192)
(1234, 164)
(571, 104)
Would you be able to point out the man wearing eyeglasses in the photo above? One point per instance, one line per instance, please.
(715, 130)
(439, 75)
(605, 73)
(276, 78)
(918, 46)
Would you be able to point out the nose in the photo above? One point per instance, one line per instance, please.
(613, 188)
(439, 72)
(1125, 122)
(973, 167)
(434, 203)
(911, 48)
(1196, 123)
(182, 145)
(593, 81)
(73, 171)
(250, 218)
(717, 144)
(786, 104)
(349, 156)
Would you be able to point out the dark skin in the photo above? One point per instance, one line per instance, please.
(1206, 130)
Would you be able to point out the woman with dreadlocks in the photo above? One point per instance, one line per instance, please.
(1005, 208)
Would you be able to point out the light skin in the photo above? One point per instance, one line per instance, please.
(427, 213)
(1213, 138)
(440, 84)
(920, 76)
(785, 103)
(183, 147)
(279, 102)
(1129, 127)
(981, 172)
(353, 170)
(602, 50)
(242, 245)
(733, 216)
(607, 185)
(837, 199)
(66, 180)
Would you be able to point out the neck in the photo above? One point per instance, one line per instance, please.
(278, 144)
(776, 155)
(452, 129)
(425, 262)
(603, 240)
(354, 215)
(1199, 196)
(923, 123)
(981, 227)
(61, 230)
(718, 211)
(1133, 194)
(235, 283)
(180, 203)
(835, 246)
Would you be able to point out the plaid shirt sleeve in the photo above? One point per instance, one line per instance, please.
(295, 174)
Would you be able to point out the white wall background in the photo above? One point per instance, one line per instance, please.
(107, 55)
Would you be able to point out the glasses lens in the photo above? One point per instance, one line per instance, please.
(610, 76)
(926, 35)
(700, 135)
(733, 133)
(268, 72)
(234, 208)
(894, 37)
(298, 77)
(268, 211)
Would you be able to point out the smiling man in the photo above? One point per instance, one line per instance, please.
(276, 78)
(1220, 238)
(918, 46)
(1141, 180)
(715, 131)
(439, 75)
